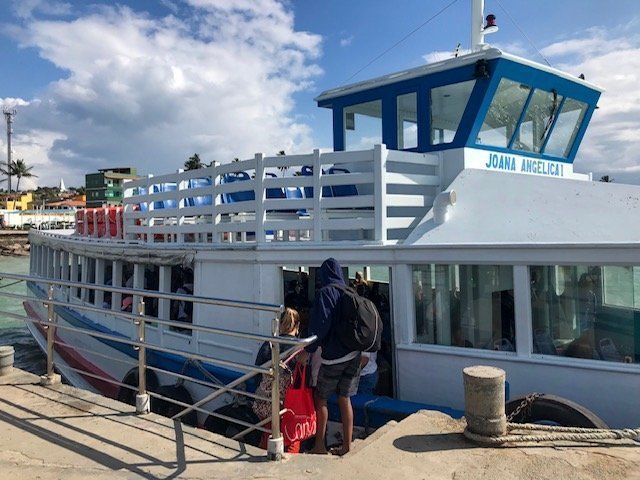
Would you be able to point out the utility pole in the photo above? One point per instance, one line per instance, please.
(9, 113)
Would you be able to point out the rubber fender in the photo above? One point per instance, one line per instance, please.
(555, 410)
(127, 395)
(229, 429)
(169, 409)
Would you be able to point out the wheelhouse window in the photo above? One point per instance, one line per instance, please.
(504, 112)
(566, 128)
(407, 121)
(447, 106)
(363, 125)
(589, 312)
(468, 306)
(536, 125)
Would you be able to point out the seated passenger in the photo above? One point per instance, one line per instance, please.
(127, 304)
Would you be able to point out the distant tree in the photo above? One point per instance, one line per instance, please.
(606, 179)
(194, 162)
(18, 169)
(46, 194)
(21, 170)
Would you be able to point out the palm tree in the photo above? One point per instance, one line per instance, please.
(19, 169)
(193, 163)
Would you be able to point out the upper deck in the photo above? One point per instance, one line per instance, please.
(399, 141)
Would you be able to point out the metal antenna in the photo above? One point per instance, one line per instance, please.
(9, 113)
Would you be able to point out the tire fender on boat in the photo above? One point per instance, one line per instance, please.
(169, 409)
(553, 409)
(128, 395)
(230, 429)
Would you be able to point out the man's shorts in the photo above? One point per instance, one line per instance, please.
(341, 378)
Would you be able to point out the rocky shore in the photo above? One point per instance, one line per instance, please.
(14, 244)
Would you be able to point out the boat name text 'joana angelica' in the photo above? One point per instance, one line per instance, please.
(527, 165)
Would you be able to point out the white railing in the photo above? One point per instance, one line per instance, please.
(376, 194)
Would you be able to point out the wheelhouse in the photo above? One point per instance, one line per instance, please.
(485, 100)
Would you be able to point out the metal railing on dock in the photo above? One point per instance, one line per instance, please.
(53, 299)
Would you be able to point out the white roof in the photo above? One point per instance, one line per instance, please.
(447, 64)
(505, 208)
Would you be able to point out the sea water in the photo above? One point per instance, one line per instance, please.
(13, 331)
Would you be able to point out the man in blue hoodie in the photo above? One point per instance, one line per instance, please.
(340, 368)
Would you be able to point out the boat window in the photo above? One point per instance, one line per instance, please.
(363, 125)
(181, 310)
(407, 121)
(468, 306)
(586, 312)
(566, 128)
(447, 106)
(503, 114)
(536, 125)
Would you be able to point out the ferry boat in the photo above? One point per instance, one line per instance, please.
(451, 186)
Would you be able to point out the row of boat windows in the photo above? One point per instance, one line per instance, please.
(589, 312)
(91, 271)
(519, 117)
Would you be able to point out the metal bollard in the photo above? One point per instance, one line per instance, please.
(6, 360)
(484, 400)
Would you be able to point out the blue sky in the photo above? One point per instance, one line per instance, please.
(149, 82)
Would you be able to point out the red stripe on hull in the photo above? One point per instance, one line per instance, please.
(75, 360)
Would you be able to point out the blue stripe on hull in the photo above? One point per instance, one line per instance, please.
(161, 360)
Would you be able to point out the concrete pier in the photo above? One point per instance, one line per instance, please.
(56, 431)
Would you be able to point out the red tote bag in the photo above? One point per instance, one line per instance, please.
(299, 419)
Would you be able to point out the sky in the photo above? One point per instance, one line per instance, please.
(148, 83)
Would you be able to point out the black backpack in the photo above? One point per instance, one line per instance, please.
(358, 325)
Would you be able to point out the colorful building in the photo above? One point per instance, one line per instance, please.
(21, 202)
(104, 189)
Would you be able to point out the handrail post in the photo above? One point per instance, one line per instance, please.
(275, 447)
(51, 377)
(142, 398)
(380, 192)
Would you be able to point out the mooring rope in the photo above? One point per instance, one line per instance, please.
(10, 284)
(554, 433)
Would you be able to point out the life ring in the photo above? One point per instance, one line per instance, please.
(128, 395)
(169, 409)
(554, 410)
(230, 429)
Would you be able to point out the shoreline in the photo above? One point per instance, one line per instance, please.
(14, 243)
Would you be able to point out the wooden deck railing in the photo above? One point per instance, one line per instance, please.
(376, 194)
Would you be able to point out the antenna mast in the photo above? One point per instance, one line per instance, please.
(478, 29)
(9, 113)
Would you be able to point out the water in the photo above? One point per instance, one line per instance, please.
(28, 355)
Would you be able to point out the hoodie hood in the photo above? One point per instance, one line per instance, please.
(331, 272)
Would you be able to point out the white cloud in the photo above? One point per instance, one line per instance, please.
(345, 42)
(611, 60)
(438, 56)
(150, 92)
(28, 8)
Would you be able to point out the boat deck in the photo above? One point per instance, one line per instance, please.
(377, 195)
(63, 432)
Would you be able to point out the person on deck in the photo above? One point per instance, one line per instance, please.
(340, 367)
(289, 327)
